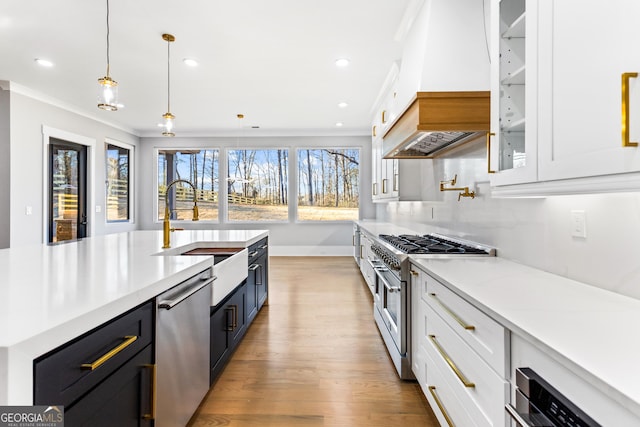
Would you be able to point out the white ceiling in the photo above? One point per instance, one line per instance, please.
(273, 60)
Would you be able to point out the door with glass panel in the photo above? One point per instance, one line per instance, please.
(67, 191)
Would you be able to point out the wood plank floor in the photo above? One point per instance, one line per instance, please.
(313, 357)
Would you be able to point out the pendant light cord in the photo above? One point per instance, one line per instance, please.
(107, 38)
(168, 76)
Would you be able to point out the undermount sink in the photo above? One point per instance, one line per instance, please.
(219, 254)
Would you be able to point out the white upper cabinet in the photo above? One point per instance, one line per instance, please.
(384, 180)
(560, 104)
(513, 153)
(585, 48)
(392, 179)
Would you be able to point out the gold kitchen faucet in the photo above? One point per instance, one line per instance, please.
(166, 225)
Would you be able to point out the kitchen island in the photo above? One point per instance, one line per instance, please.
(55, 293)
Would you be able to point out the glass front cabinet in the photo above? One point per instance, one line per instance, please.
(513, 139)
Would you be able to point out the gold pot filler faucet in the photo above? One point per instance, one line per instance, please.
(464, 191)
(166, 225)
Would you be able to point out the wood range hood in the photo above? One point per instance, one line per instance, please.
(435, 122)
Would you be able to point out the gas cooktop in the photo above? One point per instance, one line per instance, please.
(434, 244)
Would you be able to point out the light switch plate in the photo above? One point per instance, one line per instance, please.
(578, 224)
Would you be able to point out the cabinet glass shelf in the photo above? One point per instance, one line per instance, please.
(516, 29)
(517, 77)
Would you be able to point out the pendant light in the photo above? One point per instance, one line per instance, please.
(108, 88)
(167, 117)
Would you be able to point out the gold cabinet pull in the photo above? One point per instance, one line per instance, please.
(128, 340)
(414, 273)
(374, 131)
(375, 188)
(384, 116)
(361, 246)
(395, 182)
(451, 363)
(625, 109)
(446, 416)
(152, 407)
(235, 316)
(489, 135)
(451, 313)
(384, 186)
(353, 240)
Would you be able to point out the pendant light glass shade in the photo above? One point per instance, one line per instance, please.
(167, 124)
(168, 118)
(107, 87)
(108, 94)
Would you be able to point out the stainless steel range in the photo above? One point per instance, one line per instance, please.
(392, 298)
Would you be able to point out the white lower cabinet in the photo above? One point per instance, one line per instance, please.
(481, 390)
(365, 256)
(458, 356)
(441, 394)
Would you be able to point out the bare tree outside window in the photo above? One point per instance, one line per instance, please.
(328, 184)
(198, 166)
(257, 185)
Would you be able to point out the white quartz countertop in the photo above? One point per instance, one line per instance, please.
(591, 331)
(53, 293)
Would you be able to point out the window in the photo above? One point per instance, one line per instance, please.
(328, 184)
(200, 168)
(257, 185)
(118, 183)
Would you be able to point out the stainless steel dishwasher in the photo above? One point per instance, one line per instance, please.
(182, 349)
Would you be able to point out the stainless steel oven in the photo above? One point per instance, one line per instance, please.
(388, 299)
(392, 291)
(538, 404)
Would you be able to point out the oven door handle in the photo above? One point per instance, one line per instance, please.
(378, 266)
(386, 283)
(517, 417)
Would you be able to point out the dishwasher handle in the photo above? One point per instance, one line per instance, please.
(169, 304)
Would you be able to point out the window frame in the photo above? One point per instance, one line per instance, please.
(131, 181)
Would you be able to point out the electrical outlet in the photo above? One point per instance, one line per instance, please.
(28, 210)
(578, 224)
(98, 208)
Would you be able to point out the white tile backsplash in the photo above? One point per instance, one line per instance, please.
(535, 231)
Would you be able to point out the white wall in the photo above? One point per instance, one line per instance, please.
(5, 169)
(535, 231)
(290, 238)
(27, 116)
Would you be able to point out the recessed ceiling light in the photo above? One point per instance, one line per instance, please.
(190, 62)
(44, 62)
(342, 62)
(343, 104)
(339, 124)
